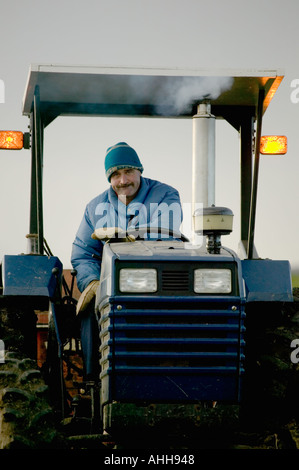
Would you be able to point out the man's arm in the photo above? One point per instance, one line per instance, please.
(86, 254)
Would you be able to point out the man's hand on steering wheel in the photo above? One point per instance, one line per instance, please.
(134, 233)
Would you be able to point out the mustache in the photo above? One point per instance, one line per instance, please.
(120, 186)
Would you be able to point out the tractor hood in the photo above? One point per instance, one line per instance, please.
(164, 250)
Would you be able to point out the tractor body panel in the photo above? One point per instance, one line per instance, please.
(30, 275)
(267, 280)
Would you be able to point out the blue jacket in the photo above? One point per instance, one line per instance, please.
(156, 203)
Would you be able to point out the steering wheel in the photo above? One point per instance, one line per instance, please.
(113, 234)
(141, 231)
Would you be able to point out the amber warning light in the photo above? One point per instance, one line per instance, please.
(13, 140)
(273, 145)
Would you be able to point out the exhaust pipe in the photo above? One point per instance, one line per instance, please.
(203, 157)
(208, 220)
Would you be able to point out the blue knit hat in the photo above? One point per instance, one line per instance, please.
(121, 156)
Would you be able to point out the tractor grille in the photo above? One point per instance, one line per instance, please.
(175, 281)
(178, 349)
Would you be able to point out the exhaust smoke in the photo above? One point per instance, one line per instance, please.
(174, 94)
(189, 91)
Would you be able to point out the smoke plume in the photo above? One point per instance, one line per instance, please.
(188, 90)
(176, 94)
(185, 91)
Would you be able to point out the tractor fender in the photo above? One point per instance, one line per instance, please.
(30, 275)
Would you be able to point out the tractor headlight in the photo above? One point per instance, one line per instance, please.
(212, 281)
(137, 280)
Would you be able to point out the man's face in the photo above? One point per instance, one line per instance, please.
(125, 183)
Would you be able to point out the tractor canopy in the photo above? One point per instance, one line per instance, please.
(171, 93)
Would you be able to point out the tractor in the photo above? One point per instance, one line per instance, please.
(194, 338)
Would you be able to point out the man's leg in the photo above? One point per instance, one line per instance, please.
(90, 343)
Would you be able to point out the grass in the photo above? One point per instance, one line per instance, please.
(295, 279)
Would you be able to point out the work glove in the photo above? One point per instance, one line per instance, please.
(107, 233)
(87, 295)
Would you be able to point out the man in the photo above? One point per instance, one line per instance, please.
(131, 201)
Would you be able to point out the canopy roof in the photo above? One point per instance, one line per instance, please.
(171, 93)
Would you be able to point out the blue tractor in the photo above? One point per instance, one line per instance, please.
(194, 338)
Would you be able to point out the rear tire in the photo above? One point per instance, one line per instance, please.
(26, 419)
(271, 382)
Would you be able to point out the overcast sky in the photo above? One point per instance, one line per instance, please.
(255, 34)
